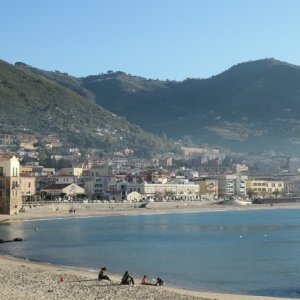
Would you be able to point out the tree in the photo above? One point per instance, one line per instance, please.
(276, 193)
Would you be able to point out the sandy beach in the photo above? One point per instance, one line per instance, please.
(83, 210)
(23, 279)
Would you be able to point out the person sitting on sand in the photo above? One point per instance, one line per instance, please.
(144, 280)
(101, 275)
(127, 279)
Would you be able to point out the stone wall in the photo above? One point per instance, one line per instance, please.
(52, 207)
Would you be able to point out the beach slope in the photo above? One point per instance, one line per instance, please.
(22, 279)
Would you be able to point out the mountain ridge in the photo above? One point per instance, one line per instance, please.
(235, 108)
(251, 106)
(37, 103)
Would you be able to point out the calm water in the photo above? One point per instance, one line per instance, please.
(252, 252)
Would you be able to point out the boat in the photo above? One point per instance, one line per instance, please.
(238, 201)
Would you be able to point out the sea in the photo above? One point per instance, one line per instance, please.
(254, 252)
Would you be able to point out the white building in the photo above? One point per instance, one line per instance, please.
(231, 185)
(183, 190)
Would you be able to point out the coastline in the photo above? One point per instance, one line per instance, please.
(116, 210)
(23, 280)
(38, 280)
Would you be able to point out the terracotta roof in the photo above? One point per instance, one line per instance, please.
(26, 175)
(56, 186)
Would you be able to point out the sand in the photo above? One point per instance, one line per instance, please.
(23, 279)
(82, 211)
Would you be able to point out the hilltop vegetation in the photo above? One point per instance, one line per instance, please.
(253, 106)
(39, 102)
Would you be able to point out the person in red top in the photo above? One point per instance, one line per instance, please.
(144, 280)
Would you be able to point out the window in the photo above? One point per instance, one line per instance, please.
(29, 184)
(1, 171)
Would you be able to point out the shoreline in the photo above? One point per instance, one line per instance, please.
(16, 266)
(38, 280)
(115, 210)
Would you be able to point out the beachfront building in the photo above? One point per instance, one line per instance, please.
(10, 196)
(99, 185)
(264, 187)
(209, 187)
(230, 185)
(182, 189)
(27, 187)
(69, 190)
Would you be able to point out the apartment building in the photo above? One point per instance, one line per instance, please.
(98, 185)
(10, 195)
(265, 186)
(183, 189)
(27, 186)
(209, 187)
(231, 185)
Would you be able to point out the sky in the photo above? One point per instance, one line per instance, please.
(158, 39)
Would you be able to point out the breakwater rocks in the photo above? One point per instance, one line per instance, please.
(9, 241)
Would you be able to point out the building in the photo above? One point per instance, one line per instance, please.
(209, 187)
(239, 168)
(231, 185)
(180, 190)
(10, 195)
(71, 171)
(58, 190)
(27, 187)
(265, 187)
(99, 186)
(188, 151)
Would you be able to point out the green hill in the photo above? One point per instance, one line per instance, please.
(44, 103)
(252, 106)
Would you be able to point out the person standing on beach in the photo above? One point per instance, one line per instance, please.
(102, 276)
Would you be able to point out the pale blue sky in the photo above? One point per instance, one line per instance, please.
(165, 39)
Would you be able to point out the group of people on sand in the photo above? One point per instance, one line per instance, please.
(127, 279)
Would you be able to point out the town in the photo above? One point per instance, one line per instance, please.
(91, 176)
